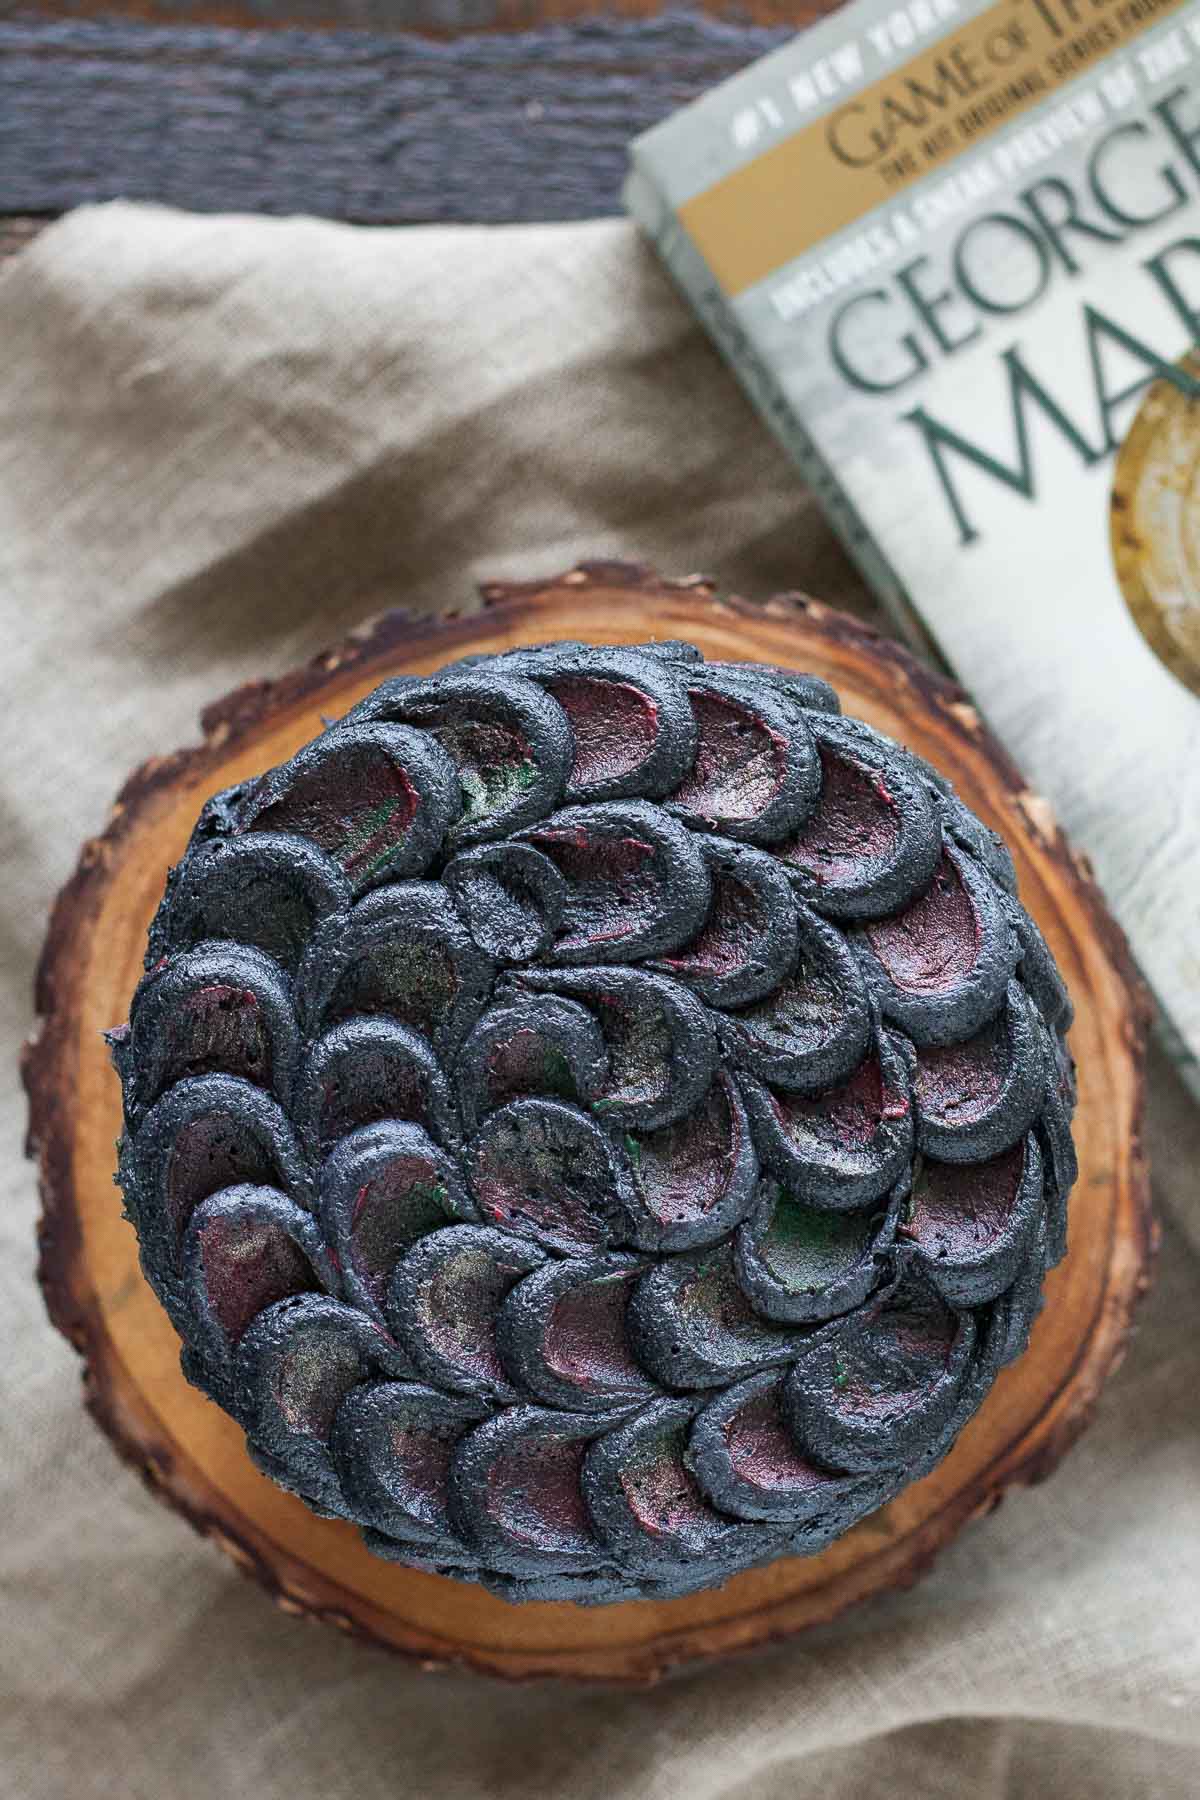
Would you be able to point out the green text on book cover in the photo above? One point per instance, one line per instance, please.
(954, 251)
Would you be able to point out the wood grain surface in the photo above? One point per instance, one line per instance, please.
(432, 18)
(194, 1456)
(359, 125)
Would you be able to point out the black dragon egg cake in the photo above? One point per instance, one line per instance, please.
(598, 1119)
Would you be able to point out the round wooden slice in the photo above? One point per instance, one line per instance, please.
(194, 1456)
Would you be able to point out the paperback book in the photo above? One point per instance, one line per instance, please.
(952, 249)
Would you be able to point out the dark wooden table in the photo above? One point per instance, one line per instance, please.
(372, 110)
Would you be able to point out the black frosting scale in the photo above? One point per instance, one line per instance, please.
(597, 1119)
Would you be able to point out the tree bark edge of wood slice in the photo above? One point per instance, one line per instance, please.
(193, 1455)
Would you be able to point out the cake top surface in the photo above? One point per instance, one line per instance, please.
(598, 1118)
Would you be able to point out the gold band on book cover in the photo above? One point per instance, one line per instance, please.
(888, 136)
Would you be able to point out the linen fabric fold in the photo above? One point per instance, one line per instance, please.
(223, 443)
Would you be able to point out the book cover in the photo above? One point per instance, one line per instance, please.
(952, 248)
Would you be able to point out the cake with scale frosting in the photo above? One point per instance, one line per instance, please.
(598, 1119)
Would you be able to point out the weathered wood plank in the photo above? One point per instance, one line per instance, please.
(352, 125)
(438, 18)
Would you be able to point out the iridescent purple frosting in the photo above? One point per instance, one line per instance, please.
(598, 1119)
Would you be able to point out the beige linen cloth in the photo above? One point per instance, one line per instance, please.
(224, 442)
